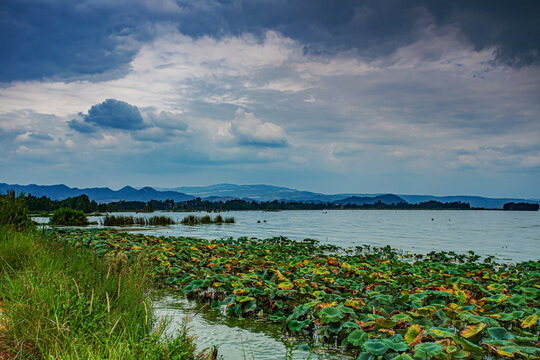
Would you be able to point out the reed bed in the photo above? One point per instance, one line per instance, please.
(198, 220)
(122, 220)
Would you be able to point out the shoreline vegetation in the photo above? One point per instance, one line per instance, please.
(43, 205)
(368, 302)
(64, 302)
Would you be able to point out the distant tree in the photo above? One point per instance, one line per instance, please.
(511, 206)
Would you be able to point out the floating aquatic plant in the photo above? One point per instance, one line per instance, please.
(373, 302)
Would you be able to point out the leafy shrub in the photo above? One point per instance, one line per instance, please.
(14, 212)
(68, 217)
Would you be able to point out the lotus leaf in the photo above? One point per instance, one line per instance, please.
(517, 300)
(375, 347)
(529, 321)
(413, 332)
(472, 330)
(430, 349)
(330, 314)
(499, 333)
(357, 337)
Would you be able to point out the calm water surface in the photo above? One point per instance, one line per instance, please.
(510, 236)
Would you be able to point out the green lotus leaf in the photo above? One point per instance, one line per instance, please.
(295, 325)
(335, 327)
(511, 316)
(499, 333)
(517, 300)
(375, 347)
(350, 325)
(429, 348)
(402, 357)
(357, 337)
(462, 354)
(497, 298)
(330, 314)
(188, 288)
(468, 346)
(366, 356)
(278, 318)
(396, 346)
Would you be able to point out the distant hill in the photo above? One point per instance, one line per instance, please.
(360, 200)
(260, 192)
(268, 193)
(127, 193)
(254, 192)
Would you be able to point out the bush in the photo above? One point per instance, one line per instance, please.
(68, 217)
(14, 212)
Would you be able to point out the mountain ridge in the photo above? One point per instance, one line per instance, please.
(256, 192)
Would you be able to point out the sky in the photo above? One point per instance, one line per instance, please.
(372, 96)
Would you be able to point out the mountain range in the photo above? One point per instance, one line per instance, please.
(224, 192)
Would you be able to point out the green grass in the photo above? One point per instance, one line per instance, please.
(68, 217)
(60, 302)
(13, 211)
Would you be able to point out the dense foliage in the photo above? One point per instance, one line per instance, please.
(13, 211)
(377, 302)
(68, 217)
(520, 206)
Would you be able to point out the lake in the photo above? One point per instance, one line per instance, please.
(510, 236)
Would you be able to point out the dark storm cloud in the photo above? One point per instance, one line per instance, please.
(97, 40)
(109, 114)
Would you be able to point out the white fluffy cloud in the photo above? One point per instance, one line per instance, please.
(246, 129)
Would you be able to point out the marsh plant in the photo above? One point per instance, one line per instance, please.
(122, 220)
(68, 217)
(197, 220)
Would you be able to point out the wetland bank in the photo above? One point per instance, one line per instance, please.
(367, 302)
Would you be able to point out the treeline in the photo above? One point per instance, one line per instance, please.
(82, 202)
(520, 206)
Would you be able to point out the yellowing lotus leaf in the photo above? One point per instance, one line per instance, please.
(529, 321)
(471, 330)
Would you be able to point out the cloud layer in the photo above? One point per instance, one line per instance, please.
(367, 96)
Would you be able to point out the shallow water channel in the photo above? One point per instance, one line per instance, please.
(237, 339)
